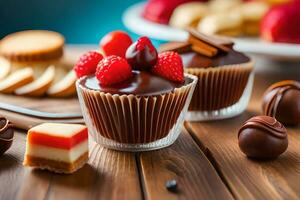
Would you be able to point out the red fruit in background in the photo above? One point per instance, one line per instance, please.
(115, 43)
(161, 10)
(141, 55)
(87, 63)
(112, 70)
(282, 23)
(169, 65)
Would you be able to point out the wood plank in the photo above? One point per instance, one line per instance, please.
(246, 178)
(11, 169)
(108, 175)
(34, 184)
(184, 162)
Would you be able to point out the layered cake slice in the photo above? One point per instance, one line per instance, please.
(61, 148)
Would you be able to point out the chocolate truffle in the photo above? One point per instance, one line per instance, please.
(282, 101)
(263, 137)
(6, 135)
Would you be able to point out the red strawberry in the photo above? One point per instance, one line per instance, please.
(169, 65)
(161, 10)
(282, 23)
(115, 43)
(87, 63)
(112, 70)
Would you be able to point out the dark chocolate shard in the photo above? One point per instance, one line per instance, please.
(179, 47)
(202, 47)
(210, 40)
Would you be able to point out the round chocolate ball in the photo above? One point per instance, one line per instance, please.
(6, 135)
(262, 137)
(282, 101)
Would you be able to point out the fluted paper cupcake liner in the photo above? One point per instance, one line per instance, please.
(219, 87)
(132, 119)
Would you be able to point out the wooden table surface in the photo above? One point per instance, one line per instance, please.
(205, 161)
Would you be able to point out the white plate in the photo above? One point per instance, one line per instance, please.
(134, 21)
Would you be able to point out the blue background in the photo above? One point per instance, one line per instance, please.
(80, 21)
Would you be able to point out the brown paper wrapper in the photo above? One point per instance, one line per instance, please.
(219, 87)
(133, 119)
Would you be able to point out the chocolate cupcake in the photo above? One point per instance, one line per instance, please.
(136, 113)
(225, 76)
(140, 109)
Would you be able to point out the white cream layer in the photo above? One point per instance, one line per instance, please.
(58, 129)
(57, 154)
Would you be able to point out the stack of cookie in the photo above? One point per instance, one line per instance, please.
(30, 65)
(222, 17)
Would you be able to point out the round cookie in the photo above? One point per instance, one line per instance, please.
(223, 6)
(252, 12)
(221, 24)
(188, 14)
(32, 46)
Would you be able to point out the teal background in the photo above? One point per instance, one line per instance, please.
(80, 21)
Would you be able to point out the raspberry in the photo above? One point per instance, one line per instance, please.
(112, 70)
(161, 10)
(115, 43)
(169, 65)
(87, 63)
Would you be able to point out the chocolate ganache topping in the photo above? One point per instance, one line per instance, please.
(6, 135)
(202, 51)
(192, 59)
(141, 83)
(196, 60)
(268, 124)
